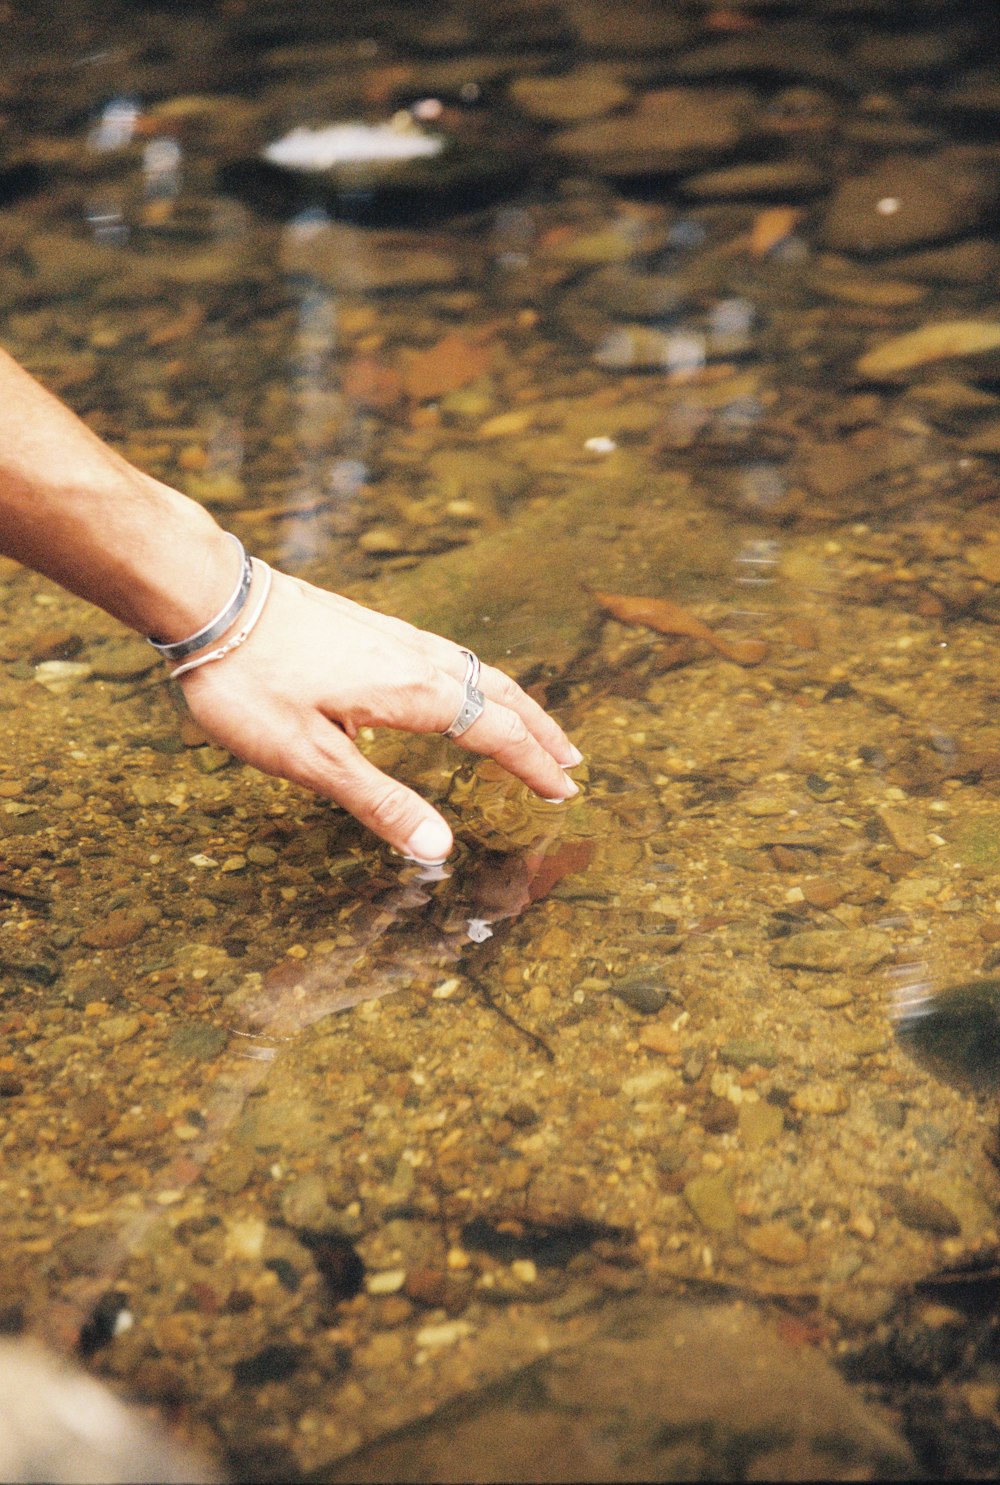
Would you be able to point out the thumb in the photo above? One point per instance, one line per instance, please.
(408, 823)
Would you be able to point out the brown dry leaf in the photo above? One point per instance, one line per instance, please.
(772, 227)
(452, 363)
(371, 384)
(670, 618)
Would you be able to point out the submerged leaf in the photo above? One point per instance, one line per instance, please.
(667, 617)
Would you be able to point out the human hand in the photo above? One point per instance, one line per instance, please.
(318, 667)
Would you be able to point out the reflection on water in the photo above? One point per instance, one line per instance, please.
(671, 383)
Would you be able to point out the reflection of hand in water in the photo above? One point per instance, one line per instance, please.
(439, 926)
(502, 886)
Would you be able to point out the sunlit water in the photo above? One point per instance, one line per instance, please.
(344, 1142)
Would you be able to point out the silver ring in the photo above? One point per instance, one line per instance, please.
(472, 668)
(471, 709)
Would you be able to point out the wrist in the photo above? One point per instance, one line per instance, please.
(169, 567)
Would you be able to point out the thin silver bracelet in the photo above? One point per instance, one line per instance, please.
(239, 637)
(222, 621)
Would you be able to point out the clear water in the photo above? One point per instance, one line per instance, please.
(344, 1143)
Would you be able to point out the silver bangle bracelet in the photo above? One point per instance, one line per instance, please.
(223, 620)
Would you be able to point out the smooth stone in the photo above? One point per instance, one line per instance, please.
(198, 1040)
(642, 994)
(759, 1123)
(622, 291)
(856, 950)
(922, 1212)
(671, 130)
(117, 930)
(763, 181)
(907, 830)
(222, 491)
(947, 340)
(787, 49)
(777, 1243)
(128, 661)
(585, 93)
(710, 1198)
(970, 262)
(61, 676)
(744, 1053)
(907, 200)
(820, 1098)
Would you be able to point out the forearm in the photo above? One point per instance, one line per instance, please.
(73, 509)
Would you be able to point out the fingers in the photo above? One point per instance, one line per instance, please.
(408, 823)
(502, 734)
(450, 658)
(500, 688)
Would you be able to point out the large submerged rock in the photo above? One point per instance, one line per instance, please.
(398, 171)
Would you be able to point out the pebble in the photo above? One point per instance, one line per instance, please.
(759, 1123)
(744, 1052)
(710, 1198)
(922, 1212)
(54, 644)
(821, 1098)
(221, 491)
(119, 928)
(62, 676)
(386, 1281)
(659, 1038)
(305, 1202)
(854, 950)
(583, 93)
(642, 994)
(905, 201)
(783, 179)
(832, 997)
(128, 661)
(433, 1337)
(672, 129)
(778, 1243)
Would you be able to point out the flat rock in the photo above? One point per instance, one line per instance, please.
(948, 340)
(854, 950)
(907, 200)
(584, 93)
(968, 262)
(611, 534)
(777, 179)
(666, 1390)
(127, 661)
(672, 129)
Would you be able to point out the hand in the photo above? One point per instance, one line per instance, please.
(317, 668)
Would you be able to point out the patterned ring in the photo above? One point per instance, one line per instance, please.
(471, 709)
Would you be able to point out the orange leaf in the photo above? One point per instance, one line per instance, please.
(772, 227)
(452, 363)
(669, 618)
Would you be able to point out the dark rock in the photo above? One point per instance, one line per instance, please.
(272, 1364)
(337, 1260)
(642, 994)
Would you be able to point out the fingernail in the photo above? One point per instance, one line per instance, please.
(430, 843)
(573, 789)
(575, 758)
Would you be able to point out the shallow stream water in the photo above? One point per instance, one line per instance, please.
(654, 1136)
